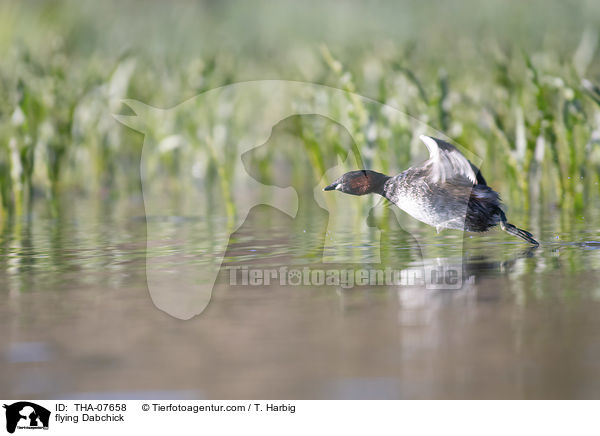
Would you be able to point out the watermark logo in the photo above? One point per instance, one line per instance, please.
(25, 415)
(430, 277)
(210, 162)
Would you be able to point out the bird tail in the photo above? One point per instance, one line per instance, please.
(523, 234)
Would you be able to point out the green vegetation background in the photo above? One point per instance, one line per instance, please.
(518, 83)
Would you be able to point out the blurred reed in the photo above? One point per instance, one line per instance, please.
(533, 117)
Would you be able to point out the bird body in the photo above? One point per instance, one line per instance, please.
(446, 192)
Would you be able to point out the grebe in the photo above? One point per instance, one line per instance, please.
(446, 192)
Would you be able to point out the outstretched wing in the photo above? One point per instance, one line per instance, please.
(446, 162)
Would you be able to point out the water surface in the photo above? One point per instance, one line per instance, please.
(78, 320)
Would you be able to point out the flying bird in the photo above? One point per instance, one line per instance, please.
(446, 192)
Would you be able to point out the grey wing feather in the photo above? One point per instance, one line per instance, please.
(446, 162)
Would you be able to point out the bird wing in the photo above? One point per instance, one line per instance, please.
(446, 162)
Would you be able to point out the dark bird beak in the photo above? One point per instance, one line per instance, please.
(330, 187)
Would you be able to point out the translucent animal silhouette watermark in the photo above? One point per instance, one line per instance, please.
(210, 161)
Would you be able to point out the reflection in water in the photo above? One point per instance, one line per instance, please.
(77, 318)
